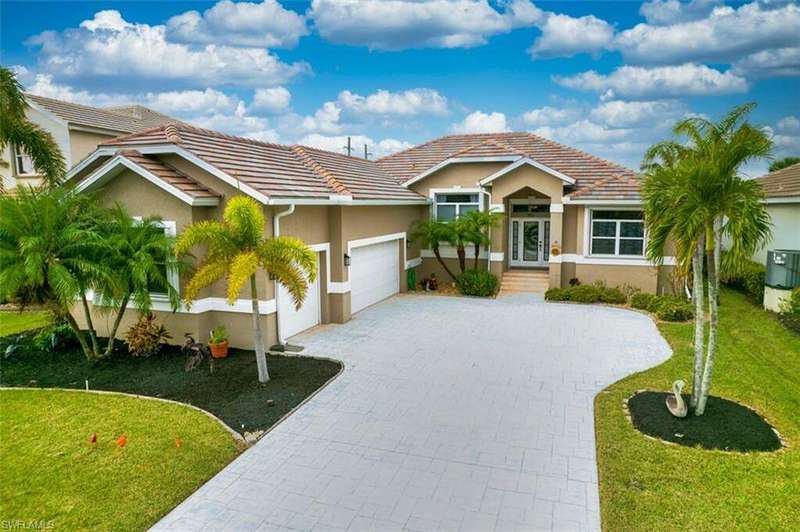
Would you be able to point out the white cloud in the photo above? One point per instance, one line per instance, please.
(549, 116)
(324, 120)
(109, 48)
(780, 62)
(631, 82)
(789, 123)
(273, 99)
(407, 103)
(622, 114)
(401, 24)
(665, 12)
(266, 24)
(337, 144)
(723, 36)
(582, 131)
(480, 122)
(192, 102)
(565, 36)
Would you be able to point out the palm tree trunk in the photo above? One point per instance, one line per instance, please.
(87, 351)
(92, 333)
(258, 336)
(113, 333)
(462, 257)
(477, 253)
(713, 311)
(699, 319)
(442, 263)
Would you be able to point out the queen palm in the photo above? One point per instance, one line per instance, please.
(18, 131)
(236, 249)
(693, 196)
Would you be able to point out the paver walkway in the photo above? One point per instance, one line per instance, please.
(451, 414)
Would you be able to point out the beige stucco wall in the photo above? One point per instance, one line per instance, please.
(464, 175)
(82, 143)
(785, 230)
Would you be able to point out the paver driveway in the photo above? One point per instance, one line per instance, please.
(451, 414)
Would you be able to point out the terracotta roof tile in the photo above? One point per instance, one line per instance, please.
(782, 183)
(169, 174)
(113, 119)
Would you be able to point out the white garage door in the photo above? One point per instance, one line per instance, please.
(374, 274)
(296, 321)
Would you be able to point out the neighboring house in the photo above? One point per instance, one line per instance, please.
(782, 189)
(77, 130)
(569, 214)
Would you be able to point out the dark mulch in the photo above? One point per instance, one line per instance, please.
(725, 425)
(231, 393)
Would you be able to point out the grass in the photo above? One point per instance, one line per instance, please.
(231, 393)
(12, 322)
(54, 476)
(648, 485)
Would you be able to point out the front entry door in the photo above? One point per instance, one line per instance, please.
(529, 242)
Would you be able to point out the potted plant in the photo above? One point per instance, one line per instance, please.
(218, 342)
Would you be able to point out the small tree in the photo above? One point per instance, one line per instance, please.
(236, 250)
(430, 234)
(19, 132)
(693, 195)
(779, 164)
(479, 223)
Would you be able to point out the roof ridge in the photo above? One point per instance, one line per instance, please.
(116, 140)
(315, 166)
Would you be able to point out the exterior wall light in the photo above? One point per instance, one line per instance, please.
(346, 259)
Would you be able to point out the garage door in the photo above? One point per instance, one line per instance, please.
(296, 321)
(374, 274)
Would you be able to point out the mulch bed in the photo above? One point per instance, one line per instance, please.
(231, 393)
(725, 425)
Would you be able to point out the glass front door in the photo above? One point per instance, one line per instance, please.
(529, 242)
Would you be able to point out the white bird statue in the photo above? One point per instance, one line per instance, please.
(675, 403)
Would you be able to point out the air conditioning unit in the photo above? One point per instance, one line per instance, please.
(783, 269)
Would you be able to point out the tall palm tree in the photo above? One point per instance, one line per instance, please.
(236, 249)
(430, 234)
(16, 130)
(693, 196)
(479, 223)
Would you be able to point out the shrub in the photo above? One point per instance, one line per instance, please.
(54, 337)
(629, 291)
(790, 311)
(145, 337)
(585, 293)
(613, 295)
(674, 309)
(643, 301)
(749, 280)
(557, 294)
(477, 283)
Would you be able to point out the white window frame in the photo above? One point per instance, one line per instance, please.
(456, 190)
(616, 238)
(19, 156)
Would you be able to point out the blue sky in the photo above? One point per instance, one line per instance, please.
(606, 77)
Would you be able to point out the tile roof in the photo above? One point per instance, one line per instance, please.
(118, 120)
(274, 169)
(586, 169)
(782, 183)
(170, 175)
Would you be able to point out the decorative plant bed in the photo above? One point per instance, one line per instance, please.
(725, 425)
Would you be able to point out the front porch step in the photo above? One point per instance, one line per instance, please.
(537, 281)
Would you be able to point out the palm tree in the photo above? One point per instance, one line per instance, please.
(236, 249)
(774, 166)
(693, 196)
(50, 250)
(430, 234)
(17, 131)
(479, 223)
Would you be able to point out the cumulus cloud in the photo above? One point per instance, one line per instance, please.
(337, 144)
(780, 62)
(401, 24)
(789, 123)
(665, 12)
(406, 103)
(549, 116)
(324, 120)
(621, 114)
(109, 48)
(632, 82)
(723, 36)
(267, 24)
(565, 36)
(480, 122)
(272, 100)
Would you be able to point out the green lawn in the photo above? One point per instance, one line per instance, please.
(231, 393)
(648, 485)
(50, 472)
(12, 322)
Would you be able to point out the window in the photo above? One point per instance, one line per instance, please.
(450, 206)
(172, 277)
(24, 163)
(530, 208)
(617, 233)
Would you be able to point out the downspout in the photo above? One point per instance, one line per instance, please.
(489, 247)
(276, 231)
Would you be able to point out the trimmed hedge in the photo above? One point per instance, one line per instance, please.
(477, 283)
(666, 308)
(749, 280)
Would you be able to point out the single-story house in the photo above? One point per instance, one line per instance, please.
(568, 214)
(782, 189)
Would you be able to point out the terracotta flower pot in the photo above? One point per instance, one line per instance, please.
(219, 350)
